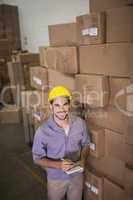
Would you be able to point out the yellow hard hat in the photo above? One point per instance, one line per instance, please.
(58, 91)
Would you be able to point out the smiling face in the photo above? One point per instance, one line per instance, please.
(60, 107)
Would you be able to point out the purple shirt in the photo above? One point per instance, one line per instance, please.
(51, 141)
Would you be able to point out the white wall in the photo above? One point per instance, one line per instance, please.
(36, 15)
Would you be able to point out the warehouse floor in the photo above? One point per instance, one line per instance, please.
(20, 179)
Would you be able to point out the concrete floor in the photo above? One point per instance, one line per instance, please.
(20, 179)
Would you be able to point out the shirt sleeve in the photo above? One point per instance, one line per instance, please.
(39, 145)
(85, 135)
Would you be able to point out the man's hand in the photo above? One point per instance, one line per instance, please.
(66, 165)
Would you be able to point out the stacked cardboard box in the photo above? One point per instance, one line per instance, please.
(35, 111)
(19, 72)
(111, 124)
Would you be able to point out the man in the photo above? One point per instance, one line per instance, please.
(59, 144)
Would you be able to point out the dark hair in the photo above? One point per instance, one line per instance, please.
(68, 99)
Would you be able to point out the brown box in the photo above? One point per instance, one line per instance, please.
(110, 167)
(93, 89)
(129, 183)
(63, 34)
(97, 144)
(129, 155)
(91, 28)
(30, 99)
(107, 59)
(10, 115)
(40, 115)
(129, 133)
(120, 93)
(26, 58)
(39, 77)
(115, 145)
(63, 59)
(93, 186)
(119, 25)
(43, 78)
(113, 191)
(110, 118)
(29, 130)
(102, 5)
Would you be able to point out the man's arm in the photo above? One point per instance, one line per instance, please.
(63, 165)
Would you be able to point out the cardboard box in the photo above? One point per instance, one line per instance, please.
(40, 115)
(110, 118)
(109, 167)
(113, 191)
(43, 78)
(129, 155)
(120, 93)
(119, 24)
(97, 144)
(129, 133)
(108, 59)
(115, 145)
(93, 186)
(19, 75)
(63, 34)
(10, 115)
(93, 90)
(26, 58)
(39, 77)
(91, 28)
(29, 130)
(63, 59)
(129, 182)
(33, 98)
(102, 5)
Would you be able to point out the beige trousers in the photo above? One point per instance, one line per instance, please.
(72, 188)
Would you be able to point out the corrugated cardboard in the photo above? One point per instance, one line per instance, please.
(93, 90)
(113, 191)
(30, 99)
(63, 34)
(63, 59)
(109, 118)
(29, 130)
(109, 167)
(39, 77)
(129, 182)
(120, 95)
(10, 115)
(107, 59)
(40, 115)
(93, 186)
(91, 28)
(97, 144)
(119, 24)
(102, 5)
(129, 133)
(115, 145)
(26, 58)
(129, 155)
(43, 78)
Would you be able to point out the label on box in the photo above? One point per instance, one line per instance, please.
(92, 188)
(92, 146)
(37, 116)
(37, 80)
(93, 31)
